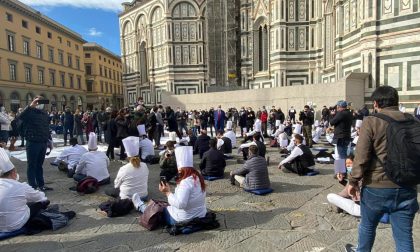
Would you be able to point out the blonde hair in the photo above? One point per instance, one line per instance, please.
(135, 161)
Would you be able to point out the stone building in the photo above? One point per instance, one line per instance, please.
(103, 77)
(169, 45)
(38, 56)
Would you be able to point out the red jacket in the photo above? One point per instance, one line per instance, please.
(264, 117)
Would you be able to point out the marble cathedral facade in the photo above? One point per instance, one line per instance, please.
(165, 45)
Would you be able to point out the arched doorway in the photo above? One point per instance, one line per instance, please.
(79, 103)
(73, 103)
(53, 102)
(14, 102)
(63, 102)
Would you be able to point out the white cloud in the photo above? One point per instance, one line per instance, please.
(94, 33)
(110, 5)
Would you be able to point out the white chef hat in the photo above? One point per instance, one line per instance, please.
(220, 142)
(93, 141)
(229, 125)
(141, 129)
(5, 163)
(184, 156)
(316, 124)
(298, 129)
(172, 136)
(278, 122)
(359, 123)
(132, 146)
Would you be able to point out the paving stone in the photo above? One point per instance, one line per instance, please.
(282, 239)
(307, 245)
(328, 237)
(271, 220)
(256, 243)
(342, 221)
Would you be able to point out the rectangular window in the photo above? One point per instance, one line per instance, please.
(60, 40)
(100, 70)
(78, 63)
(39, 51)
(71, 81)
(63, 79)
(11, 42)
(60, 58)
(69, 60)
(12, 71)
(110, 89)
(26, 47)
(87, 55)
(77, 47)
(109, 73)
(49, 35)
(52, 78)
(102, 86)
(79, 83)
(41, 76)
(28, 74)
(38, 29)
(104, 59)
(68, 43)
(100, 57)
(106, 72)
(25, 24)
(9, 17)
(89, 85)
(51, 54)
(88, 70)
(106, 87)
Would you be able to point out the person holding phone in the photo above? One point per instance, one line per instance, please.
(37, 135)
(189, 199)
(167, 162)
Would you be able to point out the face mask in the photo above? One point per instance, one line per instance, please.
(40, 106)
(349, 169)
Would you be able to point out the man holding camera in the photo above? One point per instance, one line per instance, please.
(37, 134)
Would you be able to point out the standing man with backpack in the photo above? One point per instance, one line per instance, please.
(387, 163)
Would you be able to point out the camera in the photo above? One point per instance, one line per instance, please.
(44, 101)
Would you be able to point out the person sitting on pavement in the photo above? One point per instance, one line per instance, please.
(70, 157)
(93, 163)
(167, 162)
(230, 134)
(257, 140)
(202, 143)
(189, 200)
(256, 129)
(300, 161)
(146, 145)
(20, 203)
(213, 163)
(132, 177)
(191, 138)
(317, 132)
(224, 144)
(254, 174)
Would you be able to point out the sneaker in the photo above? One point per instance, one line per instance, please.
(70, 214)
(350, 248)
(137, 202)
(44, 189)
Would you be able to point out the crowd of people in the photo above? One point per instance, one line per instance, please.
(213, 134)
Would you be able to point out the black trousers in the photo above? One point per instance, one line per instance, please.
(113, 192)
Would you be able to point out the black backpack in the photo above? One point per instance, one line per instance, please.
(403, 148)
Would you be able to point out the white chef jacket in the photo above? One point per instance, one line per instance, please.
(316, 134)
(257, 127)
(232, 136)
(71, 155)
(146, 148)
(94, 164)
(14, 213)
(188, 201)
(132, 180)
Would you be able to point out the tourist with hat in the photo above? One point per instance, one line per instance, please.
(342, 120)
(93, 163)
(189, 199)
(133, 177)
(145, 145)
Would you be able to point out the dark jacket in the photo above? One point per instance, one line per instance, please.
(371, 151)
(250, 119)
(68, 120)
(202, 144)
(227, 146)
(307, 118)
(172, 124)
(242, 119)
(255, 172)
(111, 132)
(342, 122)
(307, 158)
(213, 163)
(122, 127)
(261, 148)
(37, 122)
(168, 164)
(192, 141)
(78, 127)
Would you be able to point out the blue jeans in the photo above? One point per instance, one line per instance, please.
(168, 218)
(401, 205)
(342, 147)
(35, 153)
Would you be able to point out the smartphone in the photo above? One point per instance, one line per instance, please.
(44, 101)
(163, 179)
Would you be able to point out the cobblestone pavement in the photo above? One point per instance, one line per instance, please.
(295, 217)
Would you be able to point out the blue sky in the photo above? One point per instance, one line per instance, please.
(95, 20)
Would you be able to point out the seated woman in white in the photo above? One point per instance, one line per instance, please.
(189, 200)
(133, 177)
